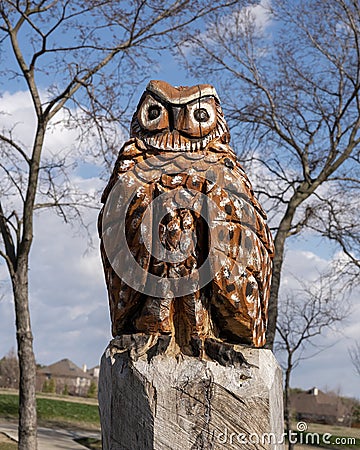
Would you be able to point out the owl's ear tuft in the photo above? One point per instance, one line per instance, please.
(180, 95)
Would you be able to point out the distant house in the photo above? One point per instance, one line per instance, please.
(316, 406)
(63, 377)
(94, 373)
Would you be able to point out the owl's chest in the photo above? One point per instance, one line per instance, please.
(172, 209)
(201, 185)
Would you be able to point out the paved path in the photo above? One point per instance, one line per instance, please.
(49, 439)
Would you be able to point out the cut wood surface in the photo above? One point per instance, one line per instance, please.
(181, 403)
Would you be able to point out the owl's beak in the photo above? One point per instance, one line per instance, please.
(176, 119)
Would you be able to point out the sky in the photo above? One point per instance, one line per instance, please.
(68, 298)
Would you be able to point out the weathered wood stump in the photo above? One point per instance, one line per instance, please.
(150, 398)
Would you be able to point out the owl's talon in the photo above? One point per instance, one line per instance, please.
(223, 353)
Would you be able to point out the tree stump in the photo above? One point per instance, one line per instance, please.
(152, 398)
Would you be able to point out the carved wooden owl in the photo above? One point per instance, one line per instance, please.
(192, 257)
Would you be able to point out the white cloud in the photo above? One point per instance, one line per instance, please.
(260, 14)
(18, 105)
(329, 370)
(68, 298)
(332, 368)
(254, 17)
(18, 115)
(62, 138)
(231, 26)
(303, 264)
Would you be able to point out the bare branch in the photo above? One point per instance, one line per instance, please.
(14, 145)
(10, 251)
(354, 352)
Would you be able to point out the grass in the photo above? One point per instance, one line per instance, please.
(68, 398)
(9, 406)
(341, 437)
(333, 441)
(72, 414)
(335, 430)
(6, 443)
(61, 413)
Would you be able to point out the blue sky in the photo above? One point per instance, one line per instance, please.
(68, 297)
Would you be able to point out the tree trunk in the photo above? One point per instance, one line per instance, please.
(287, 413)
(27, 364)
(279, 241)
(20, 277)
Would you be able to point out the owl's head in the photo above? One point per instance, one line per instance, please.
(179, 118)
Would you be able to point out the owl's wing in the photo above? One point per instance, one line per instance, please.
(118, 259)
(242, 252)
(130, 154)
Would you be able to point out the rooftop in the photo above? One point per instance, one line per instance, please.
(64, 368)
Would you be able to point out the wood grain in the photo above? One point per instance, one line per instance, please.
(187, 403)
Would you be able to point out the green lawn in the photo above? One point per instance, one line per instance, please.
(6, 443)
(332, 437)
(54, 412)
(73, 414)
(328, 440)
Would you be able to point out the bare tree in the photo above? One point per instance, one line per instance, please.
(289, 73)
(9, 371)
(303, 316)
(355, 356)
(58, 51)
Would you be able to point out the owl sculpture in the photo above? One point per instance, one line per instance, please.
(184, 242)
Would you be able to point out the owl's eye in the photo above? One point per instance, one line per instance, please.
(201, 115)
(154, 112)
